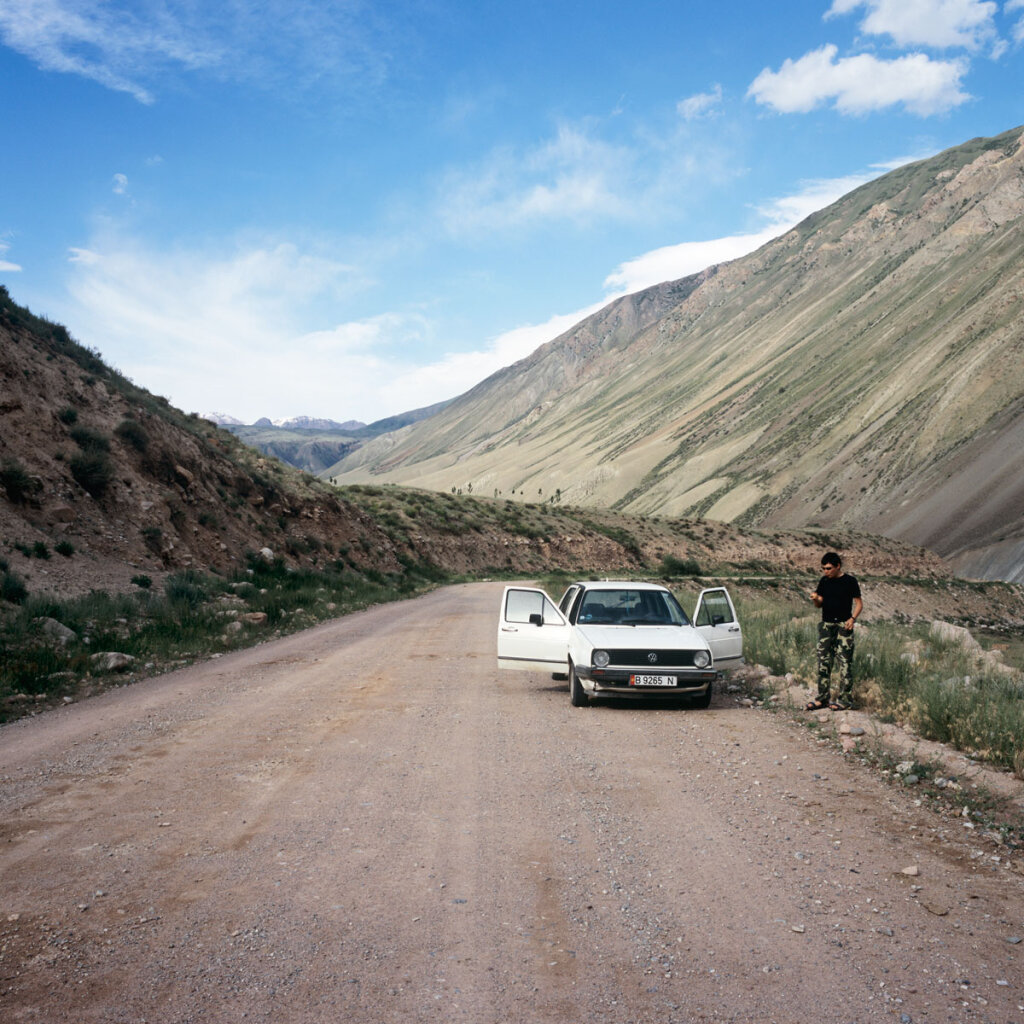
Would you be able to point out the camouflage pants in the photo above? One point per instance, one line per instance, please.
(835, 644)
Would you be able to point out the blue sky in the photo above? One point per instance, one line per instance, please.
(352, 209)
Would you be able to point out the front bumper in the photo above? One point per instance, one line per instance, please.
(689, 681)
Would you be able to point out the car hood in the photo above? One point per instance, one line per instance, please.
(645, 637)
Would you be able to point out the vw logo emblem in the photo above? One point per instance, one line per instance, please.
(652, 657)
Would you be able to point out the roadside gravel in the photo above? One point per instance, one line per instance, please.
(368, 822)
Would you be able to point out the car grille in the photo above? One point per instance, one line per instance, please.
(641, 658)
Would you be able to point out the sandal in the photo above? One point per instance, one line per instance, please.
(816, 705)
(838, 705)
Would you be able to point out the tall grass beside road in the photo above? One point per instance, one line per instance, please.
(49, 646)
(938, 687)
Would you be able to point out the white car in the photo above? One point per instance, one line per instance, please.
(617, 638)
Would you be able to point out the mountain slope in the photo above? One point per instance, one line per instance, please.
(862, 370)
(126, 484)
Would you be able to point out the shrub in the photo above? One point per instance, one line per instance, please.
(673, 566)
(12, 588)
(133, 433)
(185, 588)
(68, 415)
(40, 550)
(92, 471)
(65, 548)
(90, 440)
(142, 581)
(16, 481)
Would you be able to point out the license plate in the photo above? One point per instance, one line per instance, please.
(652, 680)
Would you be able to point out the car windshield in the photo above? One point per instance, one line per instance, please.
(627, 607)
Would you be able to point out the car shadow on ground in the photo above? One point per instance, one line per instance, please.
(652, 703)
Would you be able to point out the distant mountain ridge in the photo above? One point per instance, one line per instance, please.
(294, 423)
(314, 444)
(862, 370)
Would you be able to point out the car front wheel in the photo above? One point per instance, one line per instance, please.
(704, 700)
(577, 695)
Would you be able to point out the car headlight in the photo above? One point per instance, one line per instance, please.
(702, 659)
(600, 659)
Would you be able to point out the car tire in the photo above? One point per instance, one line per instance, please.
(577, 695)
(704, 700)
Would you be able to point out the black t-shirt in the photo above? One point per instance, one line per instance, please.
(837, 597)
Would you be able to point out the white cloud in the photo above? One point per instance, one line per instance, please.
(120, 184)
(5, 266)
(215, 330)
(861, 84)
(936, 23)
(579, 178)
(701, 104)
(126, 46)
(83, 256)
(569, 177)
(97, 41)
(233, 333)
(1018, 28)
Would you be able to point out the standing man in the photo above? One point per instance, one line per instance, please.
(838, 596)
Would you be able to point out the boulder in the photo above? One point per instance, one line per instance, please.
(955, 634)
(111, 661)
(57, 631)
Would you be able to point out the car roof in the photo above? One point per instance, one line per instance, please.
(618, 585)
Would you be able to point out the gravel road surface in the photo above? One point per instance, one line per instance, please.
(368, 822)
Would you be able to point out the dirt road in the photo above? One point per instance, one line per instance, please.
(367, 822)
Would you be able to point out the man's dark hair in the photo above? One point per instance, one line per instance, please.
(831, 558)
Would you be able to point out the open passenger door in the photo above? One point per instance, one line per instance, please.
(533, 635)
(715, 620)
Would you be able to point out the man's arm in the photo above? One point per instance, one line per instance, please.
(858, 607)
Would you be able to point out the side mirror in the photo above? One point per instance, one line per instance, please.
(536, 619)
(717, 620)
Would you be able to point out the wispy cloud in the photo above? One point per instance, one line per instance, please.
(861, 84)
(942, 24)
(1011, 7)
(701, 104)
(128, 47)
(572, 176)
(203, 328)
(597, 171)
(6, 267)
(109, 44)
